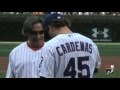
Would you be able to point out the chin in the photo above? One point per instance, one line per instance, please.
(52, 36)
(40, 40)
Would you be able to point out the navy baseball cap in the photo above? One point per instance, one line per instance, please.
(50, 18)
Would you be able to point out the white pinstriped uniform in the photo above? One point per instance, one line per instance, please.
(70, 55)
(24, 62)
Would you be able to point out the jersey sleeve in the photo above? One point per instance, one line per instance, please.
(10, 73)
(47, 66)
(98, 59)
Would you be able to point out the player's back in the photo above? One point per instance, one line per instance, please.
(75, 56)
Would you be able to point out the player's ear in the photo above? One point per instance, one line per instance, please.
(50, 28)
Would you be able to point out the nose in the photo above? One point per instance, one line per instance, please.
(38, 35)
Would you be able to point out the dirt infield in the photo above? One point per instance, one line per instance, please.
(3, 64)
(115, 60)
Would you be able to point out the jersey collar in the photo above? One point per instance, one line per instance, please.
(35, 49)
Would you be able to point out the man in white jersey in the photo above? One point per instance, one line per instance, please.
(25, 58)
(68, 54)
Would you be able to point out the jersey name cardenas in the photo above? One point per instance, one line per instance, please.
(72, 53)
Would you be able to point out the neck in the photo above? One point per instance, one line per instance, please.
(64, 30)
(36, 45)
(35, 48)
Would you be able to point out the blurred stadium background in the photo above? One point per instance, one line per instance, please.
(102, 27)
(66, 13)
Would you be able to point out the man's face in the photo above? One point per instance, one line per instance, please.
(52, 33)
(37, 35)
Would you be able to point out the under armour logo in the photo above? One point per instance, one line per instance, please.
(96, 32)
(59, 17)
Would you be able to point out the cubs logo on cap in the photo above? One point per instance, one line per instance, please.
(50, 18)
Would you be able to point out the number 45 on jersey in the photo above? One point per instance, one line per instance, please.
(75, 68)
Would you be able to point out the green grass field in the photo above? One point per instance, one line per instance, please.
(2, 74)
(109, 49)
(102, 74)
(6, 47)
(106, 49)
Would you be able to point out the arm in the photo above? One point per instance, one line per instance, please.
(10, 73)
(47, 66)
(98, 60)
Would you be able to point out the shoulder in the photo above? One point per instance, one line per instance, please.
(53, 41)
(17, 48)
(51, 44)
(83, 37)
(87, 39)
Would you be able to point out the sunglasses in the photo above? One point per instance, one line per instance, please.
(36, 33)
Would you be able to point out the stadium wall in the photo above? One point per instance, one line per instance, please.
(98, 28)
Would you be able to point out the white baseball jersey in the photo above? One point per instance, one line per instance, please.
(70, 56)
(24, 62)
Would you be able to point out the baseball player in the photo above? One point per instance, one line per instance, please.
(25, 58)
(67, 54)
